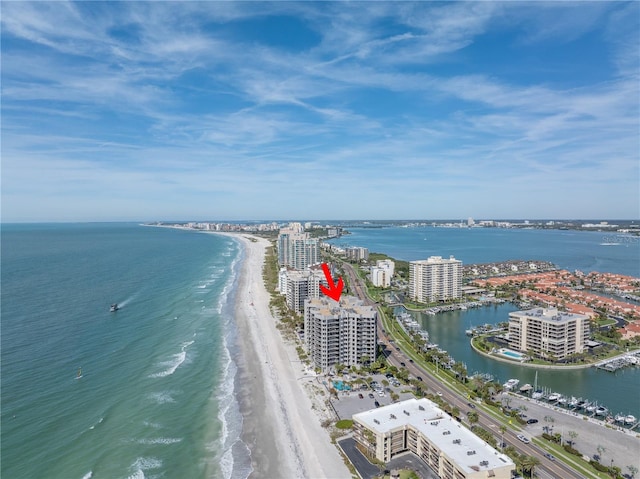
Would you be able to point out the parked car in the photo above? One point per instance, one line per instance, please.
(360, 396)
(532, 421)
(523, 438)
(371, 396)
(377, 404)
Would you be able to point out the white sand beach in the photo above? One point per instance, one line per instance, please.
(280, 427)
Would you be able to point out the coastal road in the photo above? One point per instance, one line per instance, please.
(546, 469)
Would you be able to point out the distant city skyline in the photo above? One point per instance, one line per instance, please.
(221, 111)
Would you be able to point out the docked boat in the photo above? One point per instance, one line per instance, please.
(511, 384)
(573, 402)
(582, 403)
(620, 418)
(562, 400)
(591, 408)
(553, 397)
(114, 307)
(601, 411)
(630, 419)
(538, 394)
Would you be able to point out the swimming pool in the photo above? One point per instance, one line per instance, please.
(341, 386)
(512, 354)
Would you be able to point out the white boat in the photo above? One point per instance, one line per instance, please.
(601, 411)
(537, 395)
(562, 400)
(79, 374)
(591, 408)
(630, 419)
(511, 384)
(554, 397)
(114, 307)
(573, 402)
(620, 418)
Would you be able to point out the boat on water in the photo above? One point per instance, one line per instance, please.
(511, 384)
(601, 411)
(582, 403)
(554, 397)
(538, 394)
(620, 418)
(114, 307)
(630, 419)
(573, 402)
(591, 408)
(562, 400)
(79, 374)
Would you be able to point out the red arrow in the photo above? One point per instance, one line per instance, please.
(334, 290)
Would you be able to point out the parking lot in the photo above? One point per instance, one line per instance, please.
(350, 402)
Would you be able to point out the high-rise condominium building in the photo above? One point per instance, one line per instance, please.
(382, 273)
(301, 285)
(435, 279)
(296, 249)
(339, 333)
(548, 332)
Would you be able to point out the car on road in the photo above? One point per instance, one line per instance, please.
(419, 378)
(532, 421)
(402, 364)
(439, 393)
(376, 404)
(371, 396)
(471, 405)
(523, 438)
(551, 457)
(410, 360)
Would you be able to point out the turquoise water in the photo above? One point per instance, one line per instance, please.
(511, 354)
(341, 386)
(156, 398)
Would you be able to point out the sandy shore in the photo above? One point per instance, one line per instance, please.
(284, 434)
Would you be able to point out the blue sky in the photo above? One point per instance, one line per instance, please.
(366, 110)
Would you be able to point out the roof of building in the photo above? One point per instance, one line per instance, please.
(549, 314)
(467, 450)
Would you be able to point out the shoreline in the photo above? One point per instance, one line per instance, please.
(284, 439)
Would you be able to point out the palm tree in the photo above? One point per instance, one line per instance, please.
(503, 429)
(572, 435)
(529, 463)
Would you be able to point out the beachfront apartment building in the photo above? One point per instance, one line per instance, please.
(301, 285)
(420, 427)
(548, 332)
(356, 253)
(435, 279)
(296, 249)
(339, 333)
(382, 273)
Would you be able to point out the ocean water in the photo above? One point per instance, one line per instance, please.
(156, 396)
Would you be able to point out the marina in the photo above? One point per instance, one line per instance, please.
(619, 362)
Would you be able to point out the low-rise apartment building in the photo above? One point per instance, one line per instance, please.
(421, 427)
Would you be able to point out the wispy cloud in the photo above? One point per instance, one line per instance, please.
(388, 106)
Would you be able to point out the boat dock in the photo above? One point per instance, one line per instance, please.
(619, 362)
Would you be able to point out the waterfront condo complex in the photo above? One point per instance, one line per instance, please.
(296, 249)
(435, 279)
(548, 332)
(339, 333)
(421, 427)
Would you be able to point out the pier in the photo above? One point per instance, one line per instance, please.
(619, 362)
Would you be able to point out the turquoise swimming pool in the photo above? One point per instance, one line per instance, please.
(341, 386)
(512, 354)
